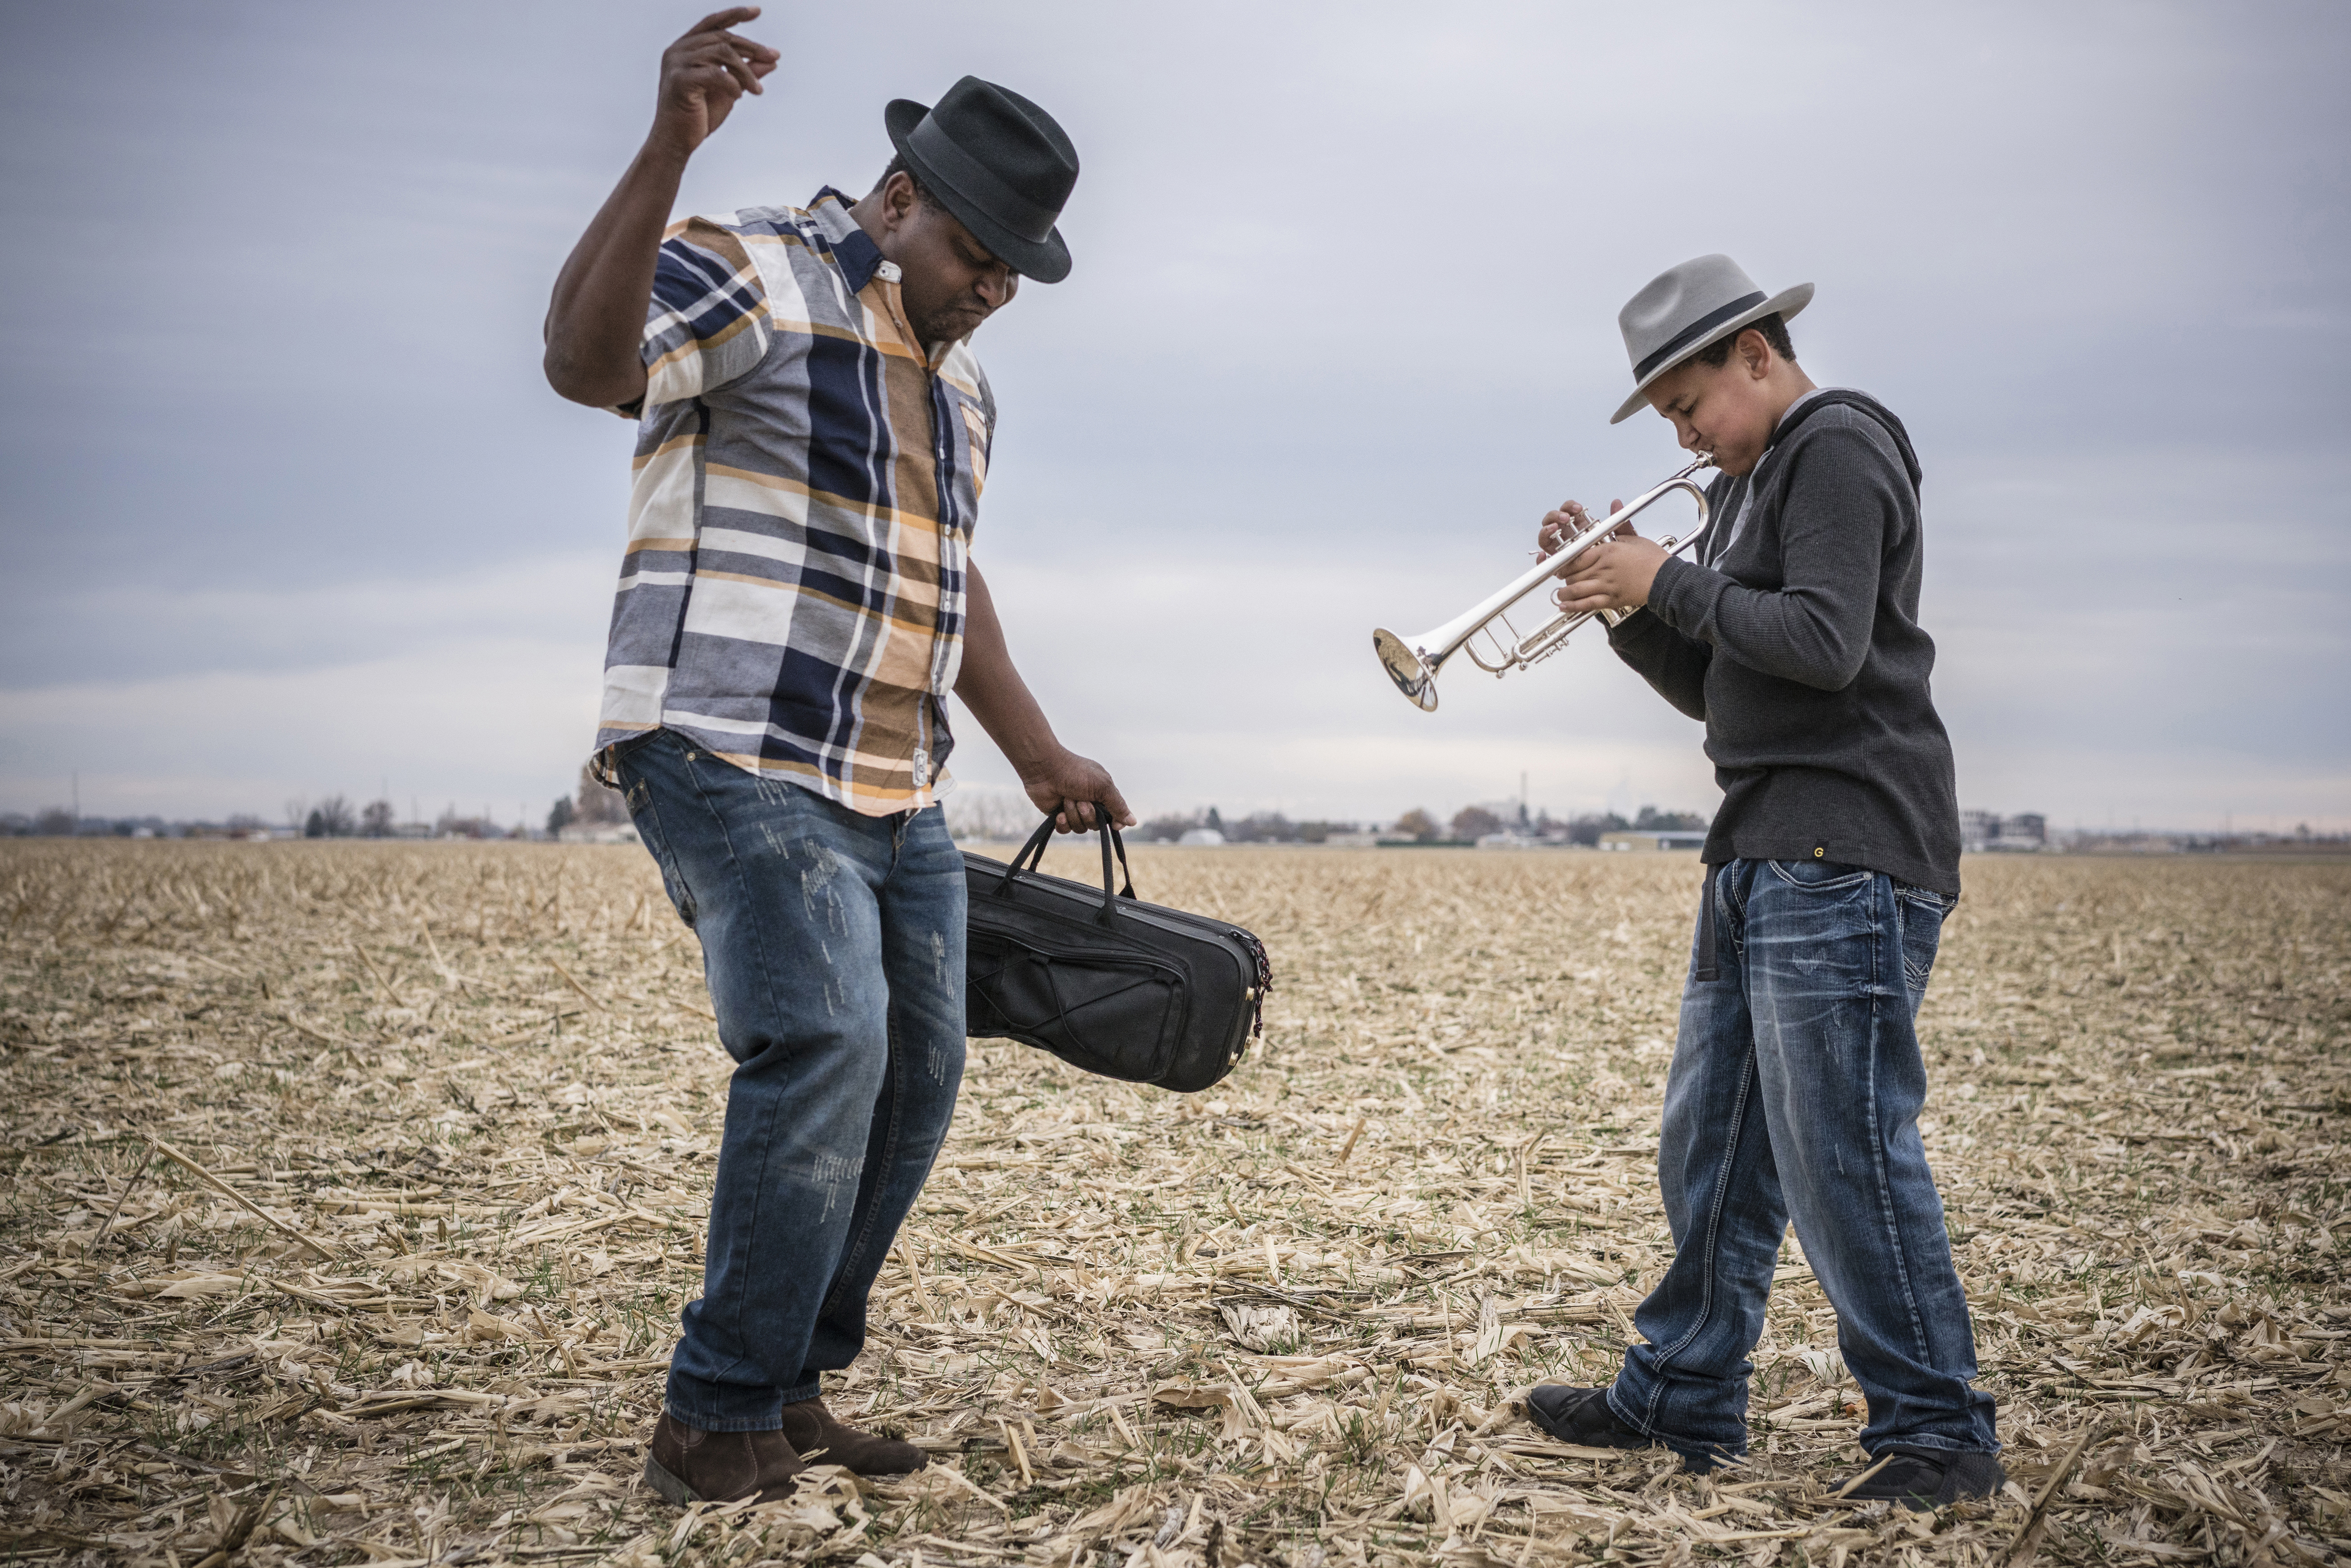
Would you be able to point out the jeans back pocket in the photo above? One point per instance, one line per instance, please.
(1922, 910)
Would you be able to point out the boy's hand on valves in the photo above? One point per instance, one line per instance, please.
(1566, 523)
(1614, 575)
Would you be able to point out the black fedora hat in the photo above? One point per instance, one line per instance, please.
(997, 163)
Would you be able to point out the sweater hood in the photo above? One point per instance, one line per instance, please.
(1866, 404)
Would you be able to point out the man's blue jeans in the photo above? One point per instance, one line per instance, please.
(833, 944)
(1795, 1094)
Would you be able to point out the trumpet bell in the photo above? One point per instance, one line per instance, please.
(1413, 674)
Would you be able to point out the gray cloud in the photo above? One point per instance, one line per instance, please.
(1341, 325)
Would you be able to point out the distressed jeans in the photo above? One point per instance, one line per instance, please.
(833, 944)
(1794, 1094)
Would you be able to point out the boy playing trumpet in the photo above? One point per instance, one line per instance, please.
(1796, 1080)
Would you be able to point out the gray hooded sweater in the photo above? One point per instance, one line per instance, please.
(1801, 650)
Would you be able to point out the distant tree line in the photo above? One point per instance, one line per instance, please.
(593, 806)
(331, 818)
(334, 817)
(1586, 829)
(1474, 823)
(974, 813)
(1257, 828)
(1469, 825)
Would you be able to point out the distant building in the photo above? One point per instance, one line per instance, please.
(598, 834)
(1981, 831)
(1200, 838)
(1350, 840)
(2130, 844)
(1648, 840)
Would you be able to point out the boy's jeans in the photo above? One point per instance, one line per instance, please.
(1795, 1094)
(833, 944)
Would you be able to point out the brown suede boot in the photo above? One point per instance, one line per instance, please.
(688, 1465)
(820, 1439)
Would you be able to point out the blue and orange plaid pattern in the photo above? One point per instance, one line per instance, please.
(806, 478)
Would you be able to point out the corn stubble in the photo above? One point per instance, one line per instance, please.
(354, 1191)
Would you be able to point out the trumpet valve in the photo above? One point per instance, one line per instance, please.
(1547, 650)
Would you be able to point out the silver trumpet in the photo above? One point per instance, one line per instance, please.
(1413, 662)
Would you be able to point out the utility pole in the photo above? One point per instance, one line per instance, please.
(77, 795)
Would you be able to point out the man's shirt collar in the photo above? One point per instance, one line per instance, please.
(853, 250)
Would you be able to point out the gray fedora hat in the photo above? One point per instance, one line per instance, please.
(1686, 307)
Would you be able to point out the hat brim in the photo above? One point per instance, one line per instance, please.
(1047, 262)
(1784, 304)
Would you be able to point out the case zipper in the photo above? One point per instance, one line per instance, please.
(1264, 979)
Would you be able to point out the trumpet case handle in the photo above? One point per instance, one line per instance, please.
(1032, 857)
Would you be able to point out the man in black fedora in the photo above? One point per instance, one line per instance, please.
(798, 600)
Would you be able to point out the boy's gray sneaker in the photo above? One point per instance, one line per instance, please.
(1926, 1479)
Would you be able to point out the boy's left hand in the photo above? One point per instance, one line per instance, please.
(1612, 575)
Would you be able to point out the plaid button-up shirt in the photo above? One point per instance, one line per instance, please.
(807, 479)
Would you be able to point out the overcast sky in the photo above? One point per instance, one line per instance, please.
(291, 511)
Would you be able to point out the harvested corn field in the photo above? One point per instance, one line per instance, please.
(354, 1191)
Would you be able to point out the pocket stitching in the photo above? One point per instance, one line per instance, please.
(1834, 885)
(1925, 897)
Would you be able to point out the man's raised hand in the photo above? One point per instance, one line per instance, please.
(703, 73)
(595, 321)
